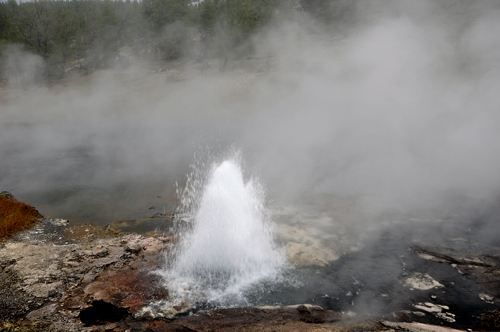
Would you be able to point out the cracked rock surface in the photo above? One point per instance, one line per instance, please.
(53, 282)
(56, 277)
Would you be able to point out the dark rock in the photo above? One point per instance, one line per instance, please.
(167, 215)
(302, 309)
(251, 319)
(490, 320)
(482, 267)
(8, 195)
(313, 314)
(133, 248)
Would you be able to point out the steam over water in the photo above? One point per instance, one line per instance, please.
(370, 136)
(231, 245)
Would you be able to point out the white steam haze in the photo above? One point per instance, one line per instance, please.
(404, 107)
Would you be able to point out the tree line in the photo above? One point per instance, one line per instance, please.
(90, 34)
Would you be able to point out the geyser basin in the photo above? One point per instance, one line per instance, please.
(343, 256)
(230, 247)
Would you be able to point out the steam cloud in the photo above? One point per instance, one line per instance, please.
(403, 106)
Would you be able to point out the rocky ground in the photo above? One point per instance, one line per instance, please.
(59, 277)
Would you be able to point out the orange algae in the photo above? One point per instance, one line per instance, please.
(16, 216)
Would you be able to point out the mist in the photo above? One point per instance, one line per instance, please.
(400, 105)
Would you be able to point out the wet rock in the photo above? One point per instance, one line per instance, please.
(446, 316)
(408, 315)
(422, 281)
(125, 288)
(304, 255)
(482, 267)
(487, 298)
(160, 222)
(168, 312)
(437, 310)
(313, 314)
(58, 221)
(418, 327)
(289, 318)
(310, 247)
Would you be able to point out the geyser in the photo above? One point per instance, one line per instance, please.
(230, 248)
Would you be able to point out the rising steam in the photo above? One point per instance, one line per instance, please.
(400, 104)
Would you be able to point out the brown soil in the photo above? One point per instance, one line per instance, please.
(15, 216)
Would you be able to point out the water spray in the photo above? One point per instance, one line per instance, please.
(230, 245)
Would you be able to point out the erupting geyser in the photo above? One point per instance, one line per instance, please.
(231, 245)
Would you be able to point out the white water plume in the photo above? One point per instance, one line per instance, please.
(230, 247)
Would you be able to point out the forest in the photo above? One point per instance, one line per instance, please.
(85, 35)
